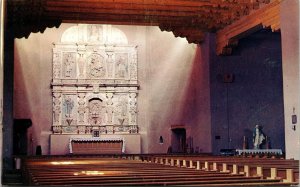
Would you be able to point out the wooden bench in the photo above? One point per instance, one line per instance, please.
(132, 170)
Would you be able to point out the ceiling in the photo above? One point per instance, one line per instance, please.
(185, 18)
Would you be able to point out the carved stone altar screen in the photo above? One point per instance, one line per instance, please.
(94, 82)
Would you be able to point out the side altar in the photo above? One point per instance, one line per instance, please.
(94, 85)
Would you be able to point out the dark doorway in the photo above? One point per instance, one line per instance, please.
(178, 140)
(20, 136)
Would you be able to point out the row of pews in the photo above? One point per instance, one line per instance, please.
(140, 170)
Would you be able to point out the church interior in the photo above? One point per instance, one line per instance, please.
(146, 92)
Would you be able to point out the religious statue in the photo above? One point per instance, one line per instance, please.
(69, 61)
(81, 64)
(69, 104)
(110, 64)
(95, 112)
(81, 107)
(97, 68)
(258, 137)
(121, 66)
(56, 107)
(109, 108)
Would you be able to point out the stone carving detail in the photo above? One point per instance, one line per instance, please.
(96, 66)
(121, 110)
(109, 108)
(95, 112)
(95, 33)
(81, 63)
(69, 65)
(121, 65)
(56, 108)
(94, 83)
(110, 64)
(132, 108)
(81, 107)
(133, 67)
(68, 110)
(56, 65)
(81, 130)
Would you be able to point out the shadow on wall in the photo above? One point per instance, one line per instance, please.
(22, 90)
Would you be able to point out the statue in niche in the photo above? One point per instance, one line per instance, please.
(109, 108)
(132, 108)
(94, 31)
(95, 107)
(121, 66)
(81, 64)
(56, 107)
(132, 111)
(110, 64)
(97, 68)
(81, 107)
(258, 137)
(121, 110)
(69, 64)
(133, 67)
(68, 106)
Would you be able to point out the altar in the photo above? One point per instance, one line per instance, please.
(259, 151)
(97, 145)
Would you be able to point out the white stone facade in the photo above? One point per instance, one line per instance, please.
(95, 83)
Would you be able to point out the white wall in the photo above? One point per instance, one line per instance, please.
(170, 86)
(291, 77)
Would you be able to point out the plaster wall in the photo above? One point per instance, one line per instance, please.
(255, 95)
(291, 78)
(174, 87)
(178, 90)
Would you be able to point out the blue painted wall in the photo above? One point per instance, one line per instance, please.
(254, 97)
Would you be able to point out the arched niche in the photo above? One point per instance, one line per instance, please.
(92, 33)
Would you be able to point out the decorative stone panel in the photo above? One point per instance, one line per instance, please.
(95, 82)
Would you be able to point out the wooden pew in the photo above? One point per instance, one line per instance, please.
(137, 170)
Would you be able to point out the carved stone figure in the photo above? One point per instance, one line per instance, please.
(56, 107)
(68, 104)
(95, 33)
(133, 67)
(121, 113)
(109, 108)
(97, 67)
(95, 107)
(110, 64)
(56, 65)
(81, 62)
(81, 107)
(132, 108)
(69, 62)
(121, 66)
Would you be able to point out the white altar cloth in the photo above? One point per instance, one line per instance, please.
(259, 151)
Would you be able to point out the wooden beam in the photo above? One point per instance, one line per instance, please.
(266, 17)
